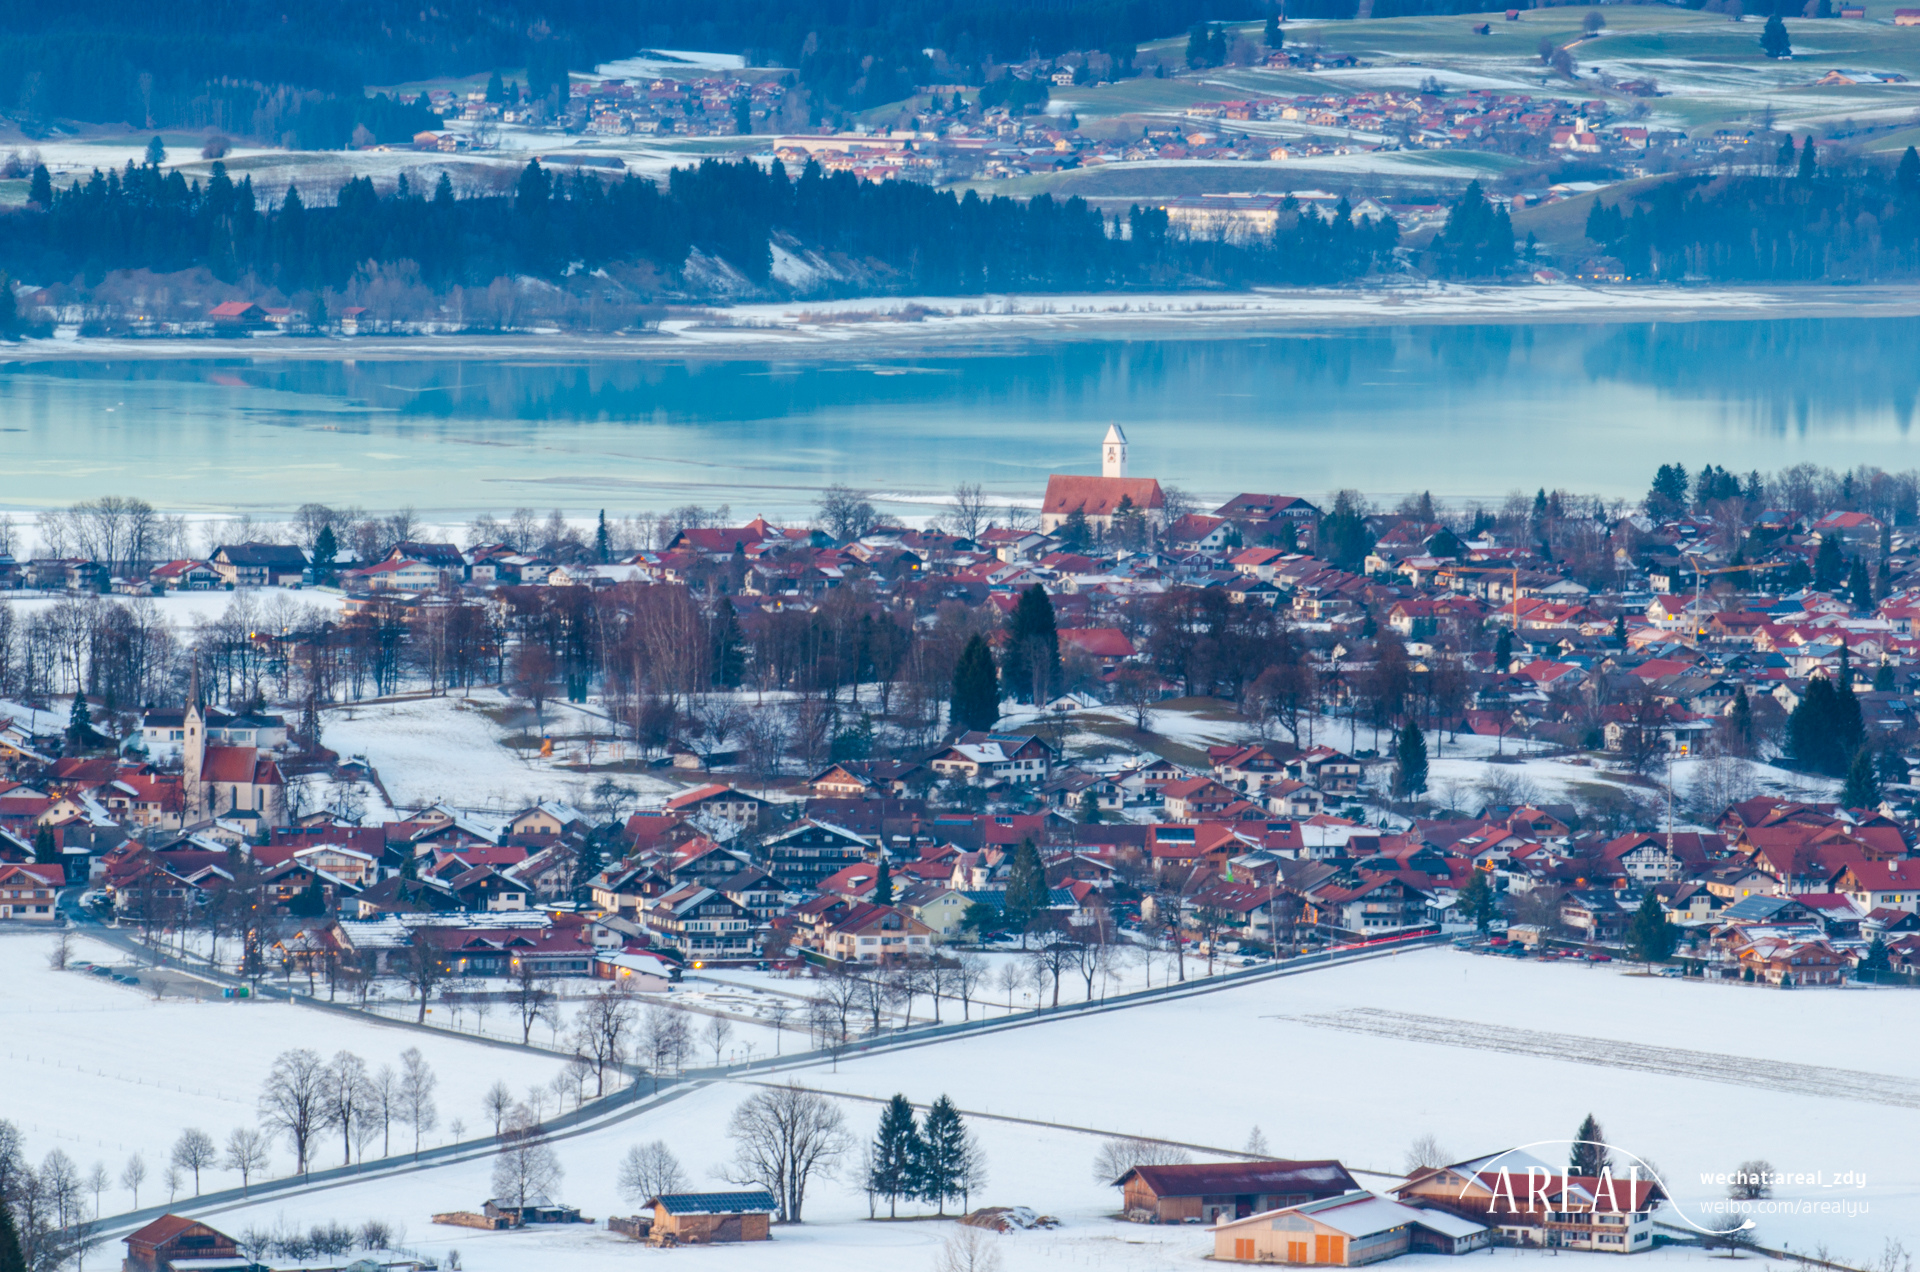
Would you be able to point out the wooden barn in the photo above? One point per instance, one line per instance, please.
(1208, 1191)
(176, 1239)
(704, 1218)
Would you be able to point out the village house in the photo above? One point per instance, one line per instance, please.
(29, 891)
(867, 933)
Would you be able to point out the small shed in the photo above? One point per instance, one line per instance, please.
(702, 1218)
(536, 1210)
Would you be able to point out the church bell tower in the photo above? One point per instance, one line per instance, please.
(1113, 453)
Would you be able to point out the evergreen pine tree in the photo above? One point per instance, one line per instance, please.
(1590, 1150)
(156, 153)
(1026, 888)
(1502, 651)
(945, 1153)
(896, 1155)
(976, 688)
(1620, 628)
(1033, 646)
(1828, 565)
(79, 721)
(1863, 784)
(1411, 752)
(883, 886)
(1883, 678)
(11, 1257)
(1476, 901)
(496, 91)
(1877, 959)
(1893, 767)
(727, 647)
(1859, 586)
(326, 551)
(1807, 159)
(1774, 42)
(1907, 175)
(46, 850)
(602, 541)
(1089, 807)
(1074, 533)
(1274, 38)
(40, 187)
(1650, 938)
(1783, 160)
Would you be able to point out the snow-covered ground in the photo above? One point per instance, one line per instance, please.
(102, 1070)
(449, 748)
(1352, 1062)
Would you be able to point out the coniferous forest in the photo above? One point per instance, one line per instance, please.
(884, 236)
(1860, 224)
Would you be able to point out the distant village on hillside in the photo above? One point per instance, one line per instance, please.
(878, 742)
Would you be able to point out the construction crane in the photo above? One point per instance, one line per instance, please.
(1700, 631)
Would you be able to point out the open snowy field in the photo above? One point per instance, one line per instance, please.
(102, 1070)
(449, 748)
(1352, 1062)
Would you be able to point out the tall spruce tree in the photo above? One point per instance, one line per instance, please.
(1863, 784)
(602, 540)
(897, 1150)
(1033, 646)
(1650, 938)
(1477, 901)
(944, 1154)
(12, 1258)
(46, 849)
(976, 688)
(1502, 651)
(1026, 897)
(326, 551)
(79, 721)
(1411, 753)
(1590, 1151)
(883, 886)
(1860, 585)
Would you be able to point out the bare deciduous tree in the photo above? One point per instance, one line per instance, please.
(293, 1100)
(649, 1171)
(782, 1138)
(526, 1167)
(246, 1153)
(194, 1152)
(601, 1031)
(1119, 1155)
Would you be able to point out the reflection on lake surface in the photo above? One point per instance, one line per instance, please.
(1469, 411)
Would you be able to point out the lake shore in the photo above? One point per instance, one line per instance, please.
(996, 323)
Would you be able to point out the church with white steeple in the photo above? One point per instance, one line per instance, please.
(1099, 498)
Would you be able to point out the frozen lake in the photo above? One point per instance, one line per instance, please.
(1469, 411)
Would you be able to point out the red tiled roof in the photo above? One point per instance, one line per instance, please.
(1100, 496)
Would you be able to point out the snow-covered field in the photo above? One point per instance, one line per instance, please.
(432, 749)
(102, 1070)
(1351, 1062)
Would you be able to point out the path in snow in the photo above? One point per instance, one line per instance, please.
(1772, 1075)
